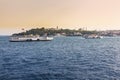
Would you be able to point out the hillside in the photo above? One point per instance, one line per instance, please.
(53, 32)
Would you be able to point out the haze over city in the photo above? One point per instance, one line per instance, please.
(71, 14)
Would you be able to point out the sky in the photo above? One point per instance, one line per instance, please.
(71, 14)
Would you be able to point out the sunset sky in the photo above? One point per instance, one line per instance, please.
(73, 14)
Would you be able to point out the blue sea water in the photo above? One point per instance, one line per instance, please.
(64, 58)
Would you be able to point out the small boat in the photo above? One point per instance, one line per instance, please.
(93, 36)
(29, 38)
(45, 39)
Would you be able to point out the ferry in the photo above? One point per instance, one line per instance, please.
(29, 38)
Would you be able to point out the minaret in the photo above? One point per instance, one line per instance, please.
(57, 27)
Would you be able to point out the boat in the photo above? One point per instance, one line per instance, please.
(92, 36)
(29, 38)
(45, 39)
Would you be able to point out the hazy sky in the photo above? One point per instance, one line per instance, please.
(93, 14)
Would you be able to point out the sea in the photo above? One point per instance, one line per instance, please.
(64, 58)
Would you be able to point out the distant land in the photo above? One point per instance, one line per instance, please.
(67, 32)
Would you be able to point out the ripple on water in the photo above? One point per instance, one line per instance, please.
(64, 58)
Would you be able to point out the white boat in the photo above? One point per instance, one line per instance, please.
(92, 36)
(29, 38)
(45, 39)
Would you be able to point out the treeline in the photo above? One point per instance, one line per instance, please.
(53, 31)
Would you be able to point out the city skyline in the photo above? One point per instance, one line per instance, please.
(71, 14)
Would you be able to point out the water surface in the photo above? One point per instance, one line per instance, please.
(64, 58)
